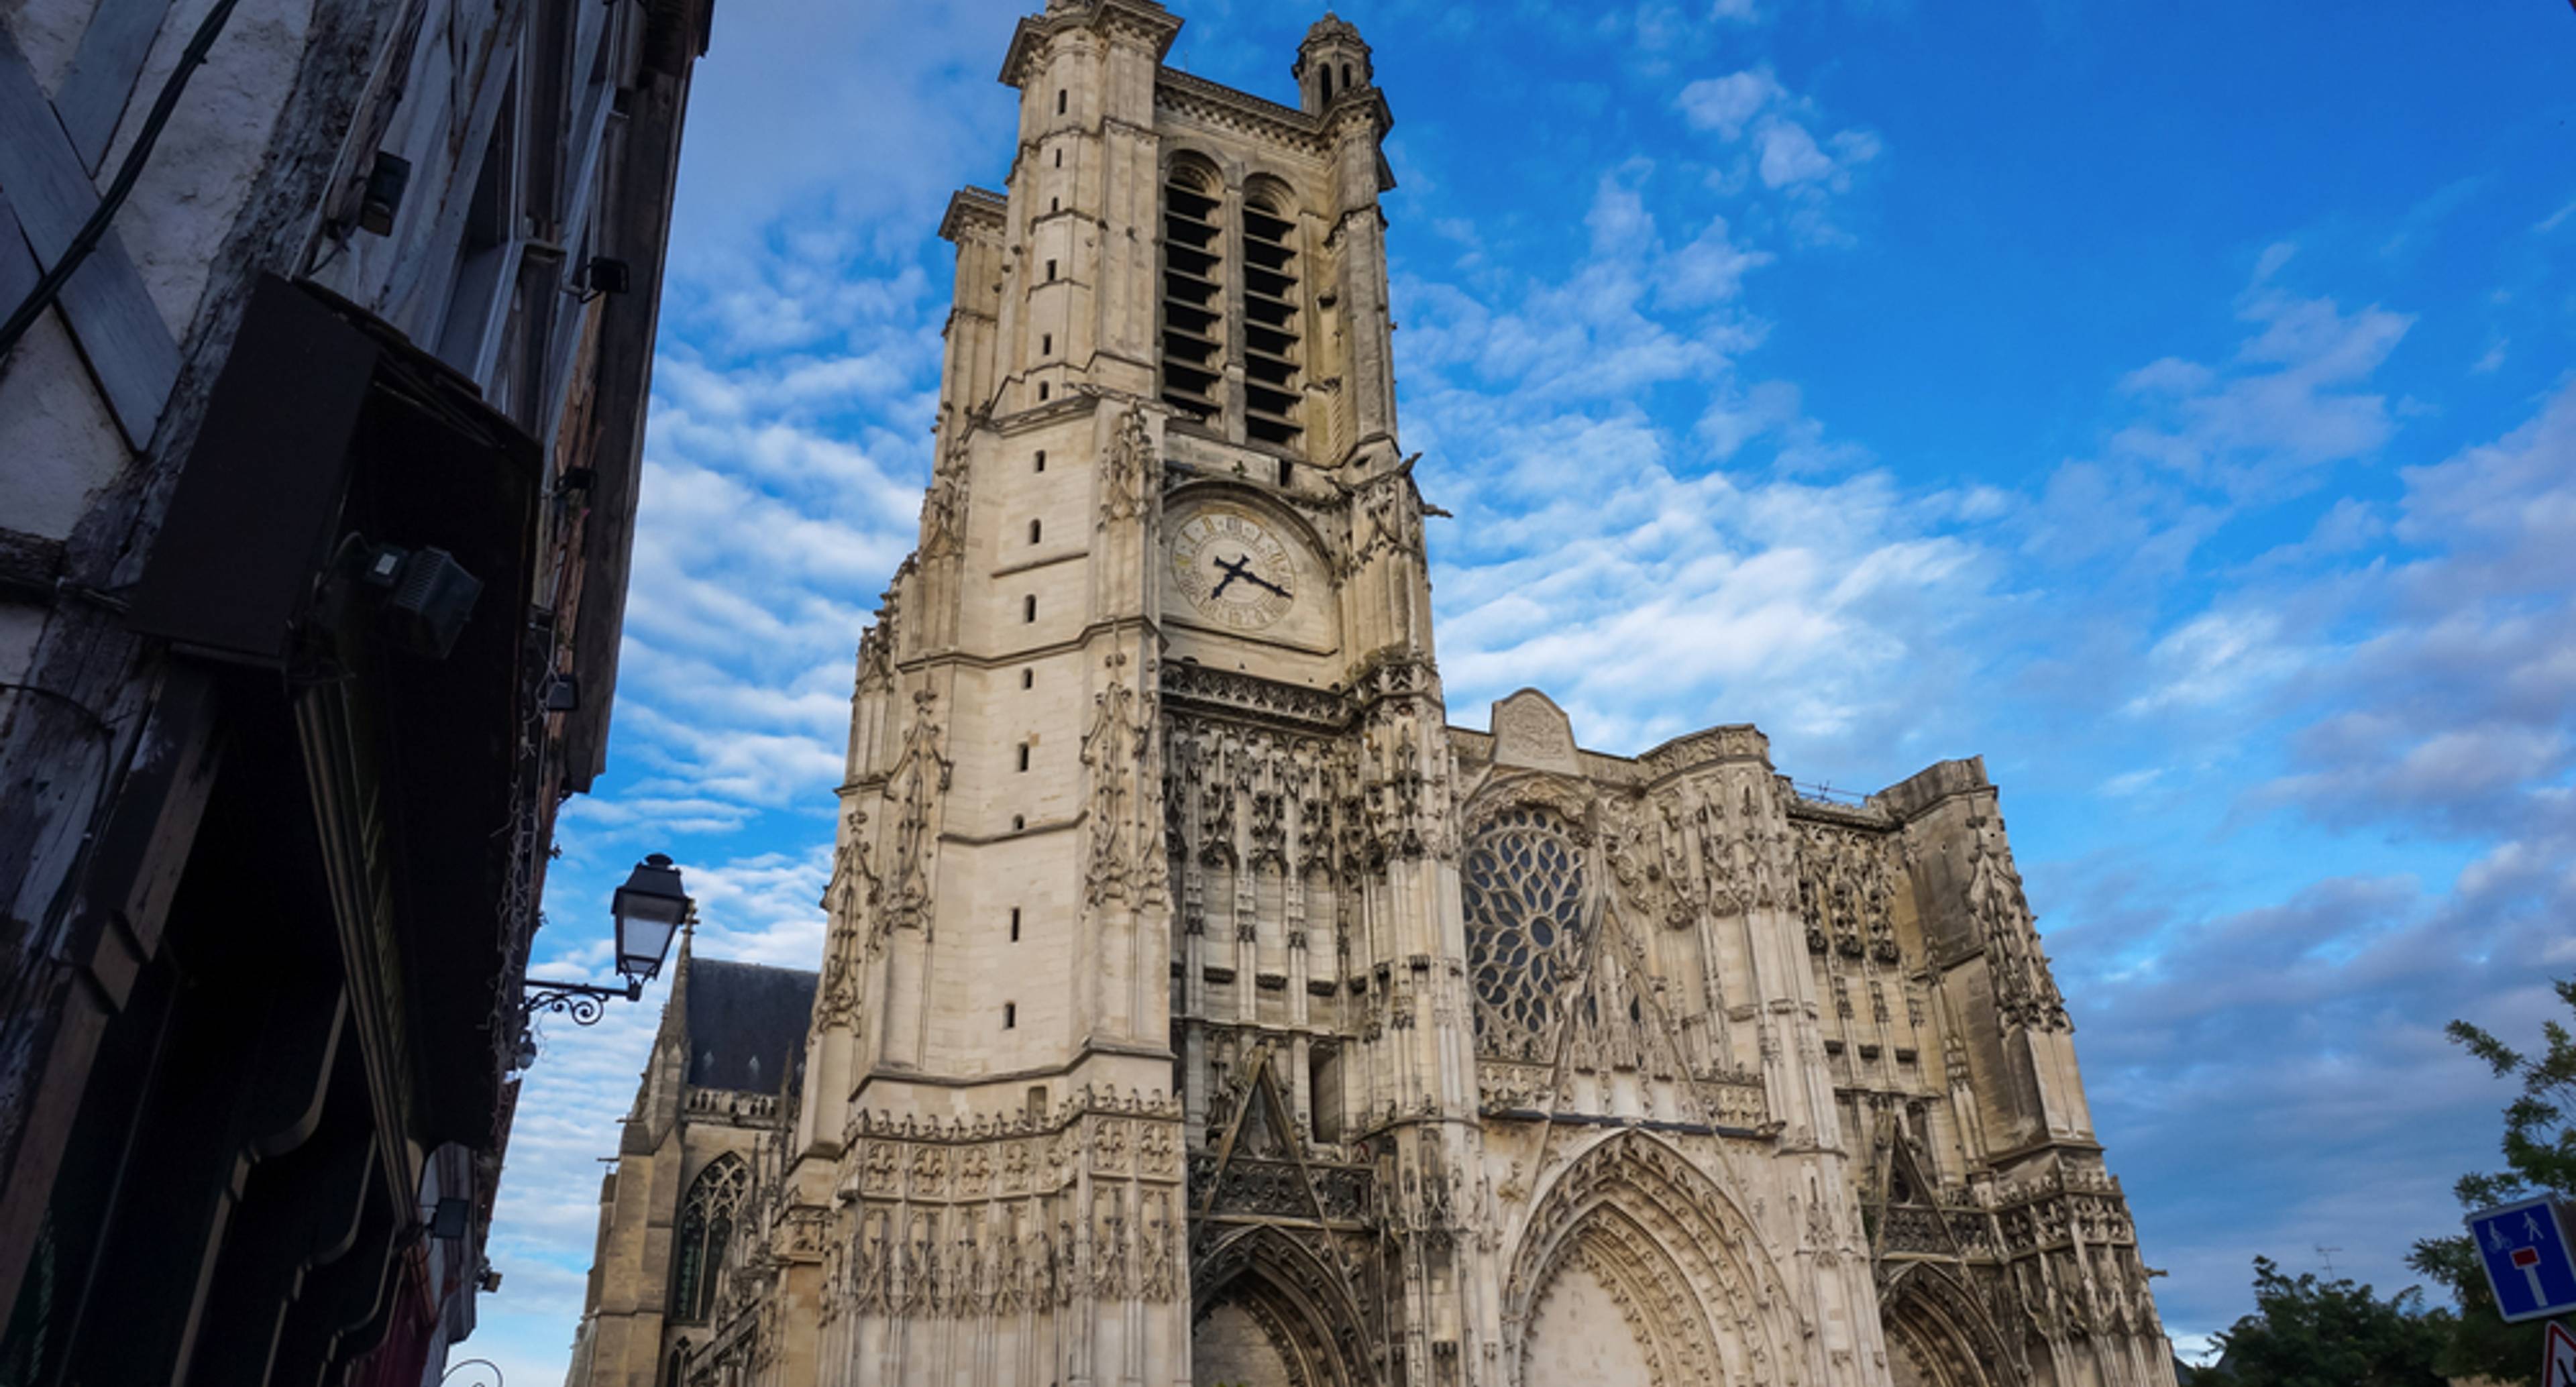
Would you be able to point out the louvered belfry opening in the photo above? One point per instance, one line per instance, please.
(1193, 293)
(1269, 324)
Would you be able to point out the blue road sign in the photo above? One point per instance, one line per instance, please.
(2526, 1250)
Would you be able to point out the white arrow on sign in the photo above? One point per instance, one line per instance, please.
(2558, 1365)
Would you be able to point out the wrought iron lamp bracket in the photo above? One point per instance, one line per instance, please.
(583, 1002)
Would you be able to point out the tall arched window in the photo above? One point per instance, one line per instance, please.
(1269, 318)
(1217, 314)
(707, 1222)
(1193, 291)
(1522, 882)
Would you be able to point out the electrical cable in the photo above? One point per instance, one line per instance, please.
(101, 725)
(94, 230)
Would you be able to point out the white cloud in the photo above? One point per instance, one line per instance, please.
(1727, 104)
(1790, 155)
(2216, 657)
(1786, 156)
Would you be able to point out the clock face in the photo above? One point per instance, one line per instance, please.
(1233, 569)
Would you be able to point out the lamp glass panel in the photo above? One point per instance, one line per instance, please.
(641, 942)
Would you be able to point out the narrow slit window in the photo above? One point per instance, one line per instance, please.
(1018, 822)
(1029, 607)
(1271, 314)
(1015, 924)
(1036, 528)
(1060, 95)
(1059, 158)
(1050, 272)
(1042, 392)
(1041, 459)
(1028, 678)
(1324, 1092)
(1024, 756)
(1010, 1015)
(1055, 204)
(1046, 344)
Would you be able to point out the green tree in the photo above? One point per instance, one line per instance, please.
(2540, 1158)
(2310, 1333)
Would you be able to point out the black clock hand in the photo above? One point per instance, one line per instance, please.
(1260, 581)
(1242, 568)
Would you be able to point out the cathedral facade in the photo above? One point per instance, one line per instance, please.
(1200, 1006)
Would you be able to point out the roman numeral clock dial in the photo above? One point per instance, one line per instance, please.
(1234, 572)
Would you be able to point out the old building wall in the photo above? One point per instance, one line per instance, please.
(258, 233)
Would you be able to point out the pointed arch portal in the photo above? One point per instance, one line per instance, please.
(1937, 1333)
(1636, 1267)
(1266, 1312)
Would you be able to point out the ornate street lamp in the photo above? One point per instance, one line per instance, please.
(650, 908)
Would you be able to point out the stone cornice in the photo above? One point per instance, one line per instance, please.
(1249, 695)
(1211, 103)
(1847, 815)
(1142, 20)
(1740, 741)
(973, 212)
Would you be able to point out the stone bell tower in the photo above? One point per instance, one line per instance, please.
(1140, 1049)
(1198, 1007)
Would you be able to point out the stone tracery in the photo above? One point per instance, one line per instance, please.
(1526, 897)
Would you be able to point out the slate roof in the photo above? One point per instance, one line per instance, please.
(746, 1023)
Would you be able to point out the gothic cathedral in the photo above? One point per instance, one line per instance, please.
(1201, 1007)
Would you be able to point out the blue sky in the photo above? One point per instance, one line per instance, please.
(2171, 403)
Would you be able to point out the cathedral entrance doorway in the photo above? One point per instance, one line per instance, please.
(1267, 1312)
(1582, 1333)
(1937, 1335)
(1636, 1268)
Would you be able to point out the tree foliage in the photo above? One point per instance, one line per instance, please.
(2540, 1158)
(2310, 1333)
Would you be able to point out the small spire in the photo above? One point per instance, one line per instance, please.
(1332, 61)
(675, 1006)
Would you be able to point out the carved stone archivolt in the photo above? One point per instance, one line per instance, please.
(1639, 1214)
(1306, 1301)
(1941, 1327)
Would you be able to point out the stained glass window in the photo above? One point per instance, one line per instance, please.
(706, 1222)
(1523, 884)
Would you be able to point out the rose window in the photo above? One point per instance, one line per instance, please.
(1523, 884)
